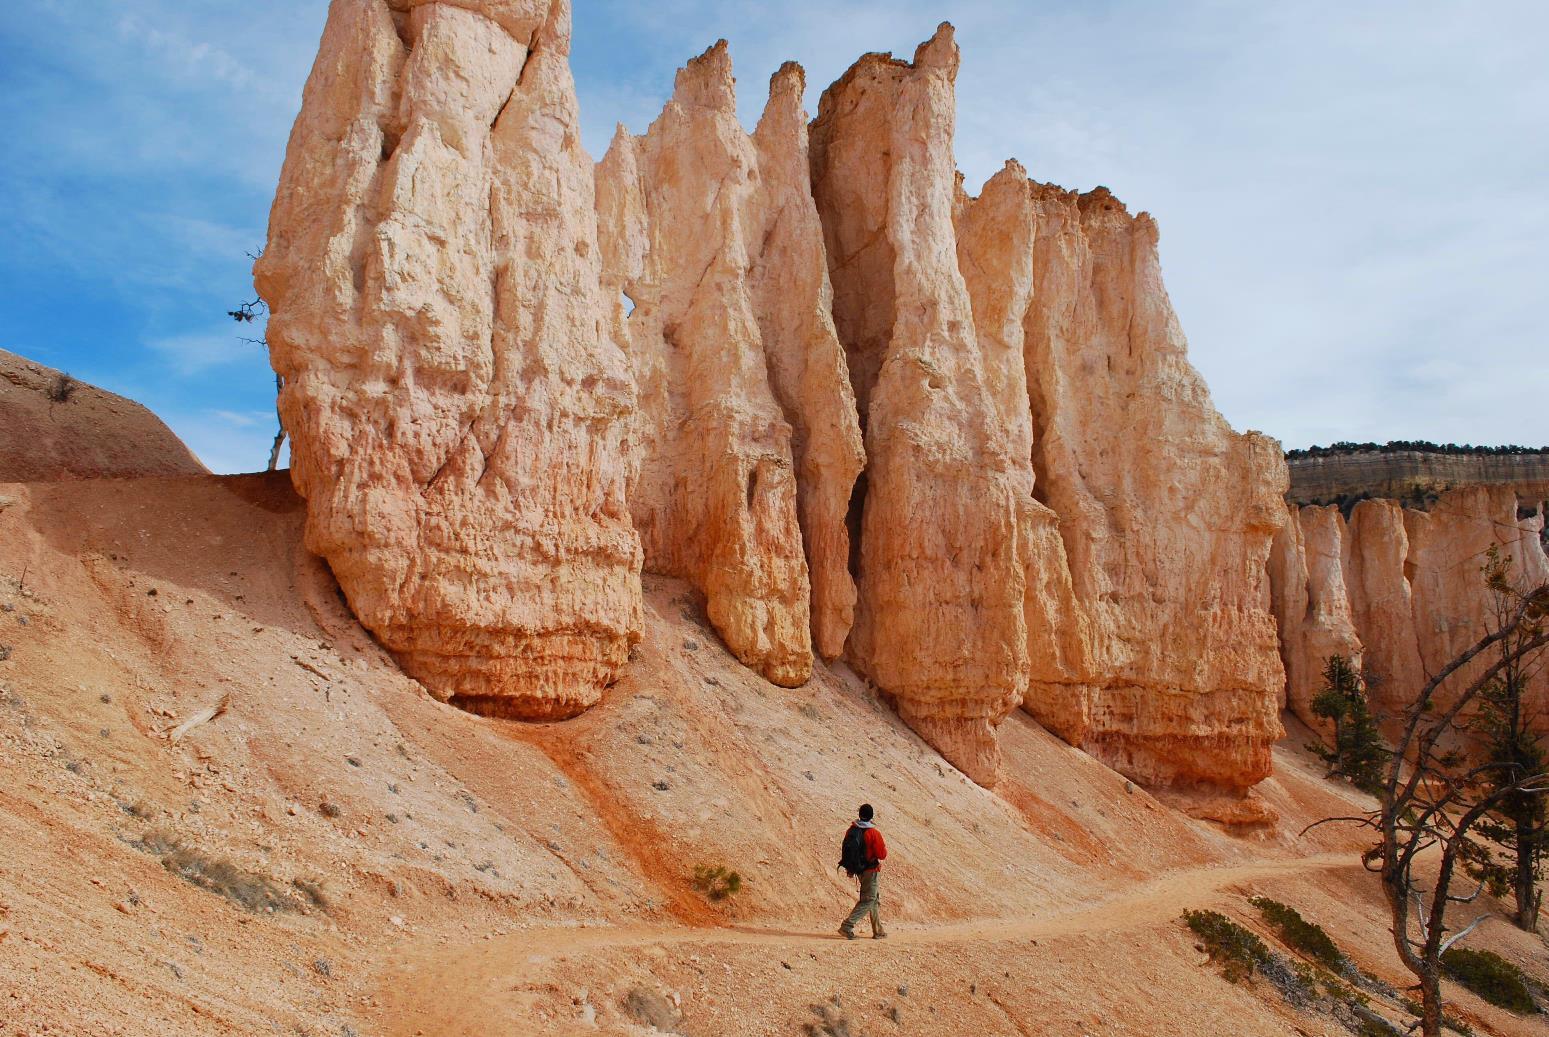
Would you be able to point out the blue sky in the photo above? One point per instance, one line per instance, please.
(1352, 196)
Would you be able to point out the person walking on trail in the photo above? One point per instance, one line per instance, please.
(861, 856)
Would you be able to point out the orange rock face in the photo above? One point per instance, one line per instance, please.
(1381, 601)
(498, 371)
(1311, 603)
(1412, 584)
(457, 409)
(1166, 514)
(943, 558)
(748, 433)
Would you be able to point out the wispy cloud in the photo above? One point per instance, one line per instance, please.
(199, 353)
(199, 61)
(224, 444)
(1352, 197)
(242, 421)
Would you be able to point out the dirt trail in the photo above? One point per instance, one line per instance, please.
(483, 972)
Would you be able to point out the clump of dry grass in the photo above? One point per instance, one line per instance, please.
(717, 883)
(313, 892)
(249, 890)
(832, 1021)
(649, 1008)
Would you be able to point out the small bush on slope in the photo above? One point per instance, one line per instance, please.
(832, 1021)
(717, 883)
(246, 889)
(1236, 950)
(1300, 935)
(61, 388)
(1490, 976)
(649, 1008)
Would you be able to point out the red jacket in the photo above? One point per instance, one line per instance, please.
(876, 849)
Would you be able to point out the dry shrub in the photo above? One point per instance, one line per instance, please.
(61, 388)
(649, 1008)
(1300, 935)
(832, 1021)
(1236, 950)
(246, 889)
(717, 883)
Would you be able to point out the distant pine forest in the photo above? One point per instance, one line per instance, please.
(1419, 446)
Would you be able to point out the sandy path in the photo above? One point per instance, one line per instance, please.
(484, 973)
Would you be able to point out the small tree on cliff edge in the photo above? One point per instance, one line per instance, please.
(1358, 752)
(1432, 799)
(251, 313)
(1510, 732)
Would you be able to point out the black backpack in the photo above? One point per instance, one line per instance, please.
(852, 852)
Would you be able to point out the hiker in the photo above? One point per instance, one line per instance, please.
(861, 856)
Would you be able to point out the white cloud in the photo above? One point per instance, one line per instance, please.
(243, 420)
(224, 447)
(198, 353)
(200, 61)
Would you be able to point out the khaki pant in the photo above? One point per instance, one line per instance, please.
(869, 904)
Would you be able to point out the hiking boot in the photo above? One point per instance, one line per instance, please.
(879, 935)
(848, 934)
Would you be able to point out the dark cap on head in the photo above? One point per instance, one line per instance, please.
(865, 811)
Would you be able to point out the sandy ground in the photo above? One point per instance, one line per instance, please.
(408, 868)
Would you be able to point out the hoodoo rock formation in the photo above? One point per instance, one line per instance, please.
(1311, 603)
(1051, 513)
(943, 555)
(1402, 586)
(457, 410)
(748, 432)
(1167, 515)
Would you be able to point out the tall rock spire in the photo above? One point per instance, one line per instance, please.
(942, 557)
(1167, 515)
(457, 410)
(748, 431)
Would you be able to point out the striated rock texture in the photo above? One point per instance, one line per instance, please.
(1018, 348)
(457, 408)
(1376, 552)
(1406, 474)
(1166, 515)
(1447, 545)
(1415, 595)
(1311, 603)
(748, 433)
(995, 236)
(943, 556)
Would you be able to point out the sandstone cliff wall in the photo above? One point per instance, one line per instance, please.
(942, 556)
(1166, 514)
(505, 373)
(1139, 550)
(1400, 586)
(1312, 605)
(457, 409)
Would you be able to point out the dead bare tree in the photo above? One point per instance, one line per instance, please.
(250, 312)
(1434, 797)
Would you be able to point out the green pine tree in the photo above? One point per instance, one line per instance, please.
(1512, 747)
(1358, 752)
